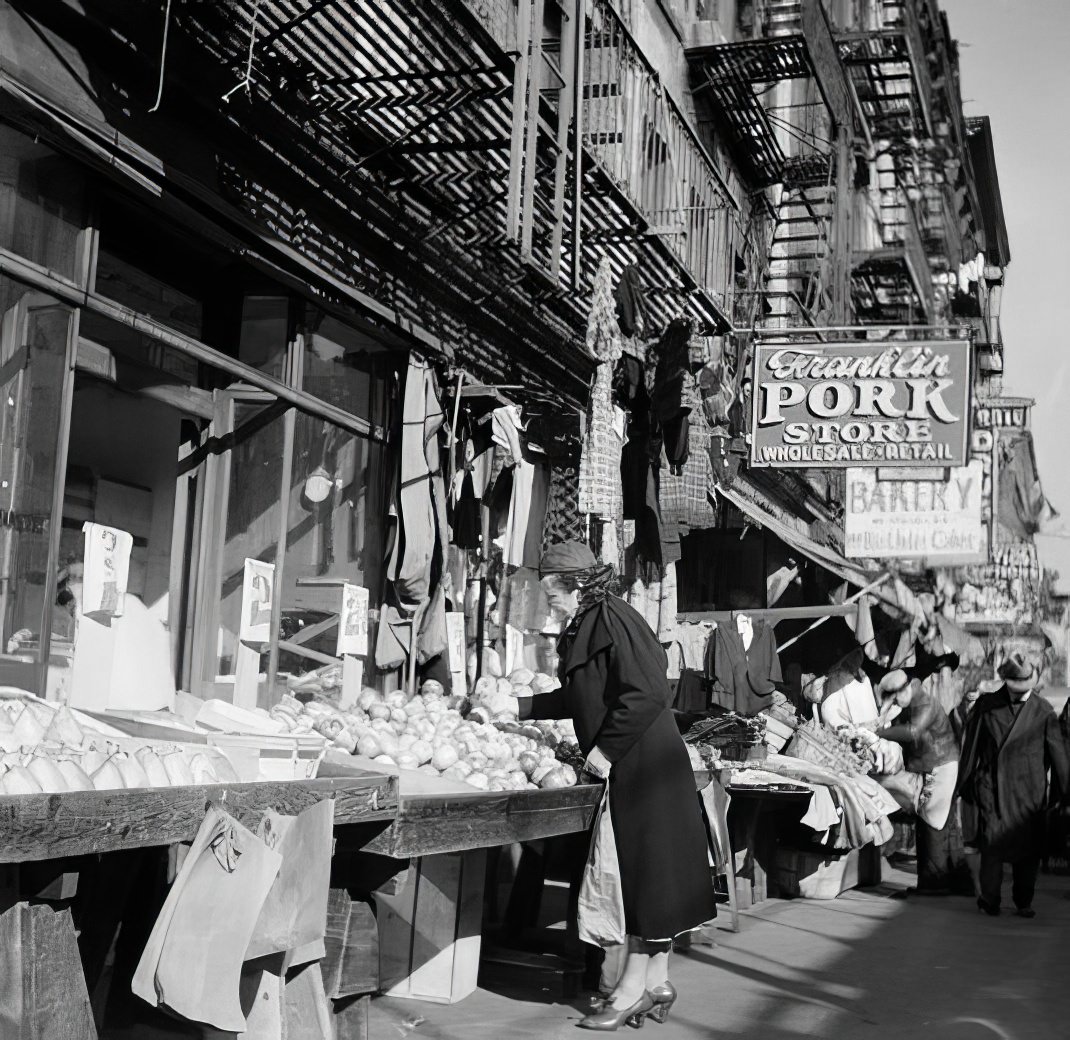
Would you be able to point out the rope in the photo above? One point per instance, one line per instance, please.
(163, 56)
(247, 79)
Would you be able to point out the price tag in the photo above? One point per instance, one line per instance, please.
(258, 595)
(456, 643)
(353, 621)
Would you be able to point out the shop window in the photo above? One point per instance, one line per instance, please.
(42, 204)
(344, 366)
(33, 599)
(335, 531)
(264, 341)
(247, 514)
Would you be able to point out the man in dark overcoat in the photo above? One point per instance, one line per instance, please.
(1012, 740)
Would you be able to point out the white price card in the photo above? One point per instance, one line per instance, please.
(258, 596)
(106, 570)
(456, 642)
(353, 621)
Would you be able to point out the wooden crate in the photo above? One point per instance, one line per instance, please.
(816, 875)
(430, 928)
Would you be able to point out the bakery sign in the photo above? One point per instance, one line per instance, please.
(937, 520)
(861, 403)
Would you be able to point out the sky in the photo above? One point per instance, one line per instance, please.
(1014, 68)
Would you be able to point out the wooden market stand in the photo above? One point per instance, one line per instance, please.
(43, 993)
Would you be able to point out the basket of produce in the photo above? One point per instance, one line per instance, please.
(821, 746)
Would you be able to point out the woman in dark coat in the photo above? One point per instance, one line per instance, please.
(614, 687)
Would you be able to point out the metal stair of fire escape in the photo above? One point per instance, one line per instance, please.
(800, 241)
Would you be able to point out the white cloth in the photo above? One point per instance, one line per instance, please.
(822, 812)
(745, 628)
(851, 705)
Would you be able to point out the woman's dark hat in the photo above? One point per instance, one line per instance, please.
(1017, 669)
(567, 558)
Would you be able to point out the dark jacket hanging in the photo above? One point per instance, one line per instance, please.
(748, 677)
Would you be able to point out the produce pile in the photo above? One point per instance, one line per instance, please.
(479, 741)
(724, 737)
(825, 747)
(46, 750)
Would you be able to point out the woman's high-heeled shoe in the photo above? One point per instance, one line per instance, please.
(664, 997)
(610, 1019)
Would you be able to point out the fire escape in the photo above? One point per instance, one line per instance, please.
(905, 76)
(806, 161)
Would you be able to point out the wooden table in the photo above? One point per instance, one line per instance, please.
(76, 823)
(43, 990)
(431, 824)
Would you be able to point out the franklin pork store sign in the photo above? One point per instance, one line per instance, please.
(861, 404)
(934, 519)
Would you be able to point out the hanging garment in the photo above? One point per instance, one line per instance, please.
(746, 676)
(631, 303)
(600, 480)
(416, 559)
(564, 521)
(505, 431)
(467, 516)
(558, 437)
(522, 538)
(671, 397)
(684, 497)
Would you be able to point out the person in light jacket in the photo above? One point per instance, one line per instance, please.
(930, 758)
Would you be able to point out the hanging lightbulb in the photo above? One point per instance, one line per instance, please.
(318, 485)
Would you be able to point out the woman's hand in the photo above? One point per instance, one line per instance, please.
(597, 765)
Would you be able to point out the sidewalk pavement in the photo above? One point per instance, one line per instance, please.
(866, 966)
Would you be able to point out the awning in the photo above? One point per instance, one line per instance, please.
(747, 500)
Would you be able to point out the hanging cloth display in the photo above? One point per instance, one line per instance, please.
(600, 480)
(417, 558)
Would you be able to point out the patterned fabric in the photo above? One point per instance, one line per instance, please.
(684, 496)
(564, 521)
(600, 483)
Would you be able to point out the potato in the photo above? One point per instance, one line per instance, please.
(422, 751)
(379, 711)
(444, 756)
(478, 780)
(521, 676)
(369, 747)
(432, 687)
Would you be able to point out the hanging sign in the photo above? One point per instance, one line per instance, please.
(934, 519)
(258, 594)
(106, 570)
(456, 642)
(860, 403)
(353, 621)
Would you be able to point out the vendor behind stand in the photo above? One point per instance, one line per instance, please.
(614, 687)
(930, 753)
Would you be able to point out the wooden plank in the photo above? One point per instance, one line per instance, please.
(432, 930)
(42, 989)
(47, 826)
(351, 961)
(351, 1018)
(428, 824)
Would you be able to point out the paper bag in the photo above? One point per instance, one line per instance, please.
(294, 915)
(193, 960)
(601, 905)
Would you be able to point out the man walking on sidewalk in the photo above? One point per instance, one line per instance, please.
(1012, 740)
